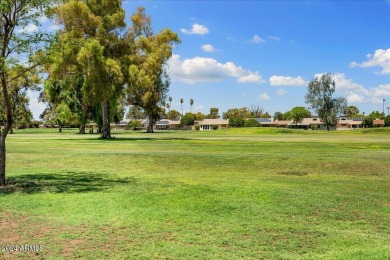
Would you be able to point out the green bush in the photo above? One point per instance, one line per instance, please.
(197, 127)
(252, 123)
(215, 127)
(134, 124)
(236, 121)
(387, 120)
(187, 119)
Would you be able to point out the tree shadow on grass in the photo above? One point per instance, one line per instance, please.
(119, 139)
(69, 182)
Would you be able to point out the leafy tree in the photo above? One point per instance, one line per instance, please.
(135, 112)
(199, 116)
(376, 115)
(287, 115)
(65, 116)
(148, 81)
(213, 113)
(19, 100)
(320, 99)
(187, 120)
(237, 112)
(368, 122)
(351, 111)
(266, 115)
(278, 116)
(135, 124)
(256, 111)
(191, 104)
(181, 104)
(387, 120)
(173, 115)
(170, 101)
(13, 14)
(251, 122)
(298, 114)
(69, 94)
(236, 121)
(90, 47)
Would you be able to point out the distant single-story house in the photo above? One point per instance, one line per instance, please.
(122, 125)
(309, 123)
(207, 124)
(349, 123)
(378, 122)
(163, 124)
(266, 122)
(282, 123)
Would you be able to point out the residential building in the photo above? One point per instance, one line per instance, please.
(207, 124)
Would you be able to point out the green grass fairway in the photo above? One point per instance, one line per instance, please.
(227, 194)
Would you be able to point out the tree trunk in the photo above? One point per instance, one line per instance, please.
(2, 160)
(150, 126)
(60, 128)
(7, 124)
(106, 133)
(82, 129)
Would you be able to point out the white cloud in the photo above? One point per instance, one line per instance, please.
(281, 92)
(275, 38)
(196, 29)
(287, 81)
(380, 58)
(200, 107)
(264, 96)
(356, 93)
(344, 85)
(355, 98)
(257, 39)
(251, 77)
(201, 69)
(29, 28)
(381, 91)
(208, 48)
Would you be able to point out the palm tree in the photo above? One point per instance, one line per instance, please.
(191, 103)
(181, 103)
(170, 101)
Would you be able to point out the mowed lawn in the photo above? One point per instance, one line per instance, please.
(226, 194)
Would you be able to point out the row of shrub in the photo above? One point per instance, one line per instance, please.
(241, 122)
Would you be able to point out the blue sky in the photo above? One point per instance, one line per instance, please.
(238, 53)
(242, 53)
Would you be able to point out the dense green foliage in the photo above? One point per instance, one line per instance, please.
(297, 114)
(235, 121)
(134, 124)
(387, 120)
(251, 122)
(187, 120)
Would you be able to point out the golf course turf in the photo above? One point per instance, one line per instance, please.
(246, 193)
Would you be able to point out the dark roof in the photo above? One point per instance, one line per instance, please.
(264, 120)
(162, 122)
